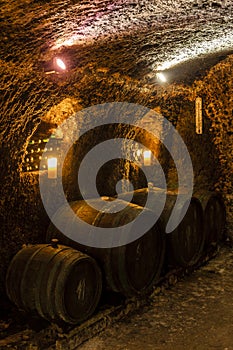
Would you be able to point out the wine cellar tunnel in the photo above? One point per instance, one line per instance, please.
(59, 59)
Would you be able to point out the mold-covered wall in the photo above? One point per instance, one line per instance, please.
(110, 49)
(30, 97)
(217, 91)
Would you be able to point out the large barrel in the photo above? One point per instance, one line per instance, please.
(55, 282)
(184, 246)
(130, 269)
(214, 216)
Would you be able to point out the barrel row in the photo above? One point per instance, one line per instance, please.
(128, 269)
(201, 228)
(64, 282)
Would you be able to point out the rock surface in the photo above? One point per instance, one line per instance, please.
(112, 48)
(195, 314)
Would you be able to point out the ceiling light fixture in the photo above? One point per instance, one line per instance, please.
(60, 63)
(161, 77)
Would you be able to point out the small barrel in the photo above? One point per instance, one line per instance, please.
(130, 269)
(55, 282)
(214, 216)
(184, 246)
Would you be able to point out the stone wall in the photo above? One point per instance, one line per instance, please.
(217, 91)
(30, 97)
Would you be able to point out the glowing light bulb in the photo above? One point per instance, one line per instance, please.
(161, 77)
(60, 64)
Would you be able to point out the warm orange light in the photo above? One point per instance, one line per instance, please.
(52, 168)
(147, 158)
(60, 64)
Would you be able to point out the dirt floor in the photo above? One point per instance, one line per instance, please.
(196, 313)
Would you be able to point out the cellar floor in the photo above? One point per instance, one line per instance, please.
(196, 313)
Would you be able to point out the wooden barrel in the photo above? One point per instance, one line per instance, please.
(214, 216)
(130, 269)
(184, 246)
(54, 281)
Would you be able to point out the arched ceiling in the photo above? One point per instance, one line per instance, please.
(134, 37)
